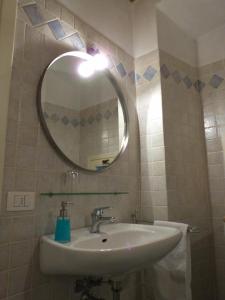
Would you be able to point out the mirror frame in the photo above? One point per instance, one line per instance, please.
(48, 135)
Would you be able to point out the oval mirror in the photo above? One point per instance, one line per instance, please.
(83, 112)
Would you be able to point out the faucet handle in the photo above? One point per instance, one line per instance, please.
(98, 211)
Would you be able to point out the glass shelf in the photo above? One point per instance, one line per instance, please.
(83, 194)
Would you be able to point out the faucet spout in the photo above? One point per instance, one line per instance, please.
(98, 219)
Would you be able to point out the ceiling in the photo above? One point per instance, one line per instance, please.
(195, 17)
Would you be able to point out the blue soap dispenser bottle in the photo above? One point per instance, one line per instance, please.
(62, 231)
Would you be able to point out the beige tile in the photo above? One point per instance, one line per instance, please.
(214, 145)
(157, 183)
(13, 107)
(5, 232)
(158, 168)
(217, 197)
(147, 213)
(53, 7)
(45, 224)
(210, 121)
(26, 157)
(40, 2)
(25, 180)
(33, 45)
(45, 158)
(23, 296)
(19, 37)
(160, 213)
(218, 211)
(4, 257)
(215, 158)
(217, 184)
(25, 2)
(42, 292)
(216, 170)
(9, 179)
(146, 199)
(67, 16)
(4, 284)
(19, 280)
(11, 133)
(158, 154)
(157, 140)
(28, 112)
(61, 288)
(21, 254)
(23, 228)
(220, 253)
(27, 135)
(10, 155)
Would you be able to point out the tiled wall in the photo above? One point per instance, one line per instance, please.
(94, 130)
(63, 127)
(213, 98)
(186, 166)
(173, 165)
(32, 165)
(174, 184)
(149, 103)
(101, 135)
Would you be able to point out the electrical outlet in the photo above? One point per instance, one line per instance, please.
(20, 201)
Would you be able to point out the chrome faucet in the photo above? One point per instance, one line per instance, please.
(97, 219)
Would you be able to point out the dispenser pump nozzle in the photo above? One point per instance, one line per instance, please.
(63, 210)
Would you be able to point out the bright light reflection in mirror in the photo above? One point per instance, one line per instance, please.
(98, 62)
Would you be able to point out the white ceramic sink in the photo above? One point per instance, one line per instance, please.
(119, 248)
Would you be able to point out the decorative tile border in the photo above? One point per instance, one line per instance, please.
(38, 17)
(34, 14)
(81, 121)
(214, 82)
(149, 73)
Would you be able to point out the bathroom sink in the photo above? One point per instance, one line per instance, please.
(119, 248)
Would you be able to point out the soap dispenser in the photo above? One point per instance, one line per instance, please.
(62, 231)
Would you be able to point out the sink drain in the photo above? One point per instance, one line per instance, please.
(104, 240)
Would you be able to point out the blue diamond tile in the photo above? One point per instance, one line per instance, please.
(98, 117)
(57, 29)
(34, 14)
(54, 117)
(177, 77)
(199, 85)
(65, 120)
(134, 77)
(149, 73)
(165, 71)
(216, 81)
(187, 81)
(77, 41)
(91, 119)
(83, 122)
(107, 114)
(121, 70)
(75, 122)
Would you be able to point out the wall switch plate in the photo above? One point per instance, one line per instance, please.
(20, 201)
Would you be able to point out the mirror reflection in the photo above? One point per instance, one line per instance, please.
(83, 113)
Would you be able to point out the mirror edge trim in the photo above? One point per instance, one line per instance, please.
(48, 135)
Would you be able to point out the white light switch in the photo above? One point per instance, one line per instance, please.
(19, 201)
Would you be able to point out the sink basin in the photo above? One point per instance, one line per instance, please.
(119, 248)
